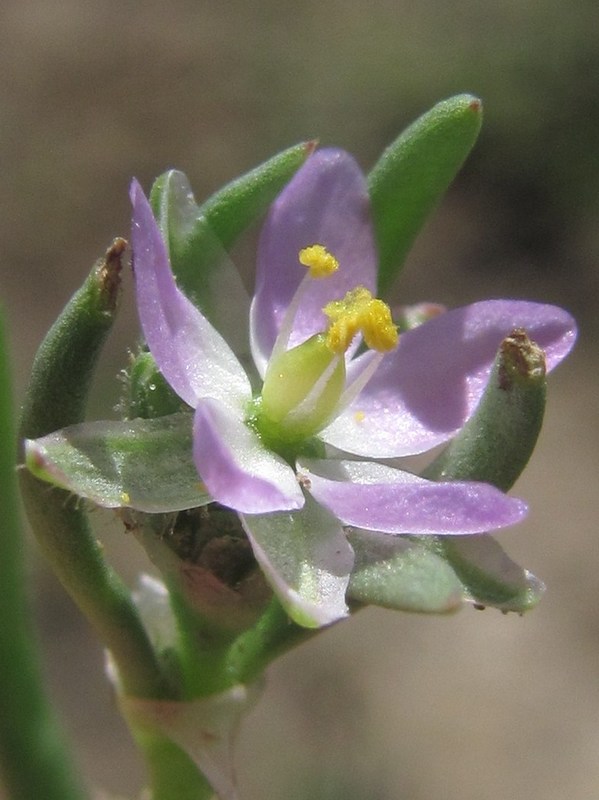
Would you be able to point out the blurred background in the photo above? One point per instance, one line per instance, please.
(385, 706)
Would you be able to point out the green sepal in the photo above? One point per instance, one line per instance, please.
(489, 576)
(306, 559)
(147, 393)
(142, 464)
(402, 573)
(437, 574)
(414, 172)
(198, 258)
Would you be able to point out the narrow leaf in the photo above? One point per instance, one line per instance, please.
(238, 204)
(34, 760)
(497, 441)
(57, 395)
(413, 174)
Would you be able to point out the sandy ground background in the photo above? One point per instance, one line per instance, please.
(477, 706)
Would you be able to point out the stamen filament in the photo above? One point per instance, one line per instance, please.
(320, 264)
(353, 389)
(282, 340)
(308, 404)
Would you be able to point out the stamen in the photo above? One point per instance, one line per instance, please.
(308, 404)
(353, 389)
(360, 312)
(320, 264)
(319, 261)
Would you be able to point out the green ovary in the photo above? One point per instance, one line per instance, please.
(294, 406)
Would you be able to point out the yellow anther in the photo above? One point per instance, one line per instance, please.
(359, 416)
(319, 261)
(358, 312)
(125, 498)
(379, 331)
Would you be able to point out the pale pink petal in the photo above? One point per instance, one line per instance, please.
(193, 357)
(326, 203)
(424, 391)
(237, 469)
(380, 498)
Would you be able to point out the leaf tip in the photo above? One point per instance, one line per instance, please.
(520, 359)
(109, 273)
(475, 104)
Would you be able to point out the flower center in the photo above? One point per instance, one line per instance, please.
(306, 385)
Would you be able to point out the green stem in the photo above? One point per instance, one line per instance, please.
(57, 395)
(173, 775)
(272, 636)
(34, 757)
(202, 651)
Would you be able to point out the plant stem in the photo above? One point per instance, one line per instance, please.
(34, 756)
(273, 635)
(173, 775)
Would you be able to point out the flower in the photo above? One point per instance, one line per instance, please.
(301, 459)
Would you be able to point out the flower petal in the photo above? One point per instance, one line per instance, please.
(237, 469)
(380, 498)
(325, 203)
(191, 354)
(424, 391)
(306, 559)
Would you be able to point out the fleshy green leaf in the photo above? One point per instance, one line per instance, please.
(496, 443)
(198, 236)
(34, 760)
(413, 174)
(57, 395)
(238, 204)
(141, 464)
(66, 359)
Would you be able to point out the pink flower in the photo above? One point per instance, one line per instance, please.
(297, 459)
